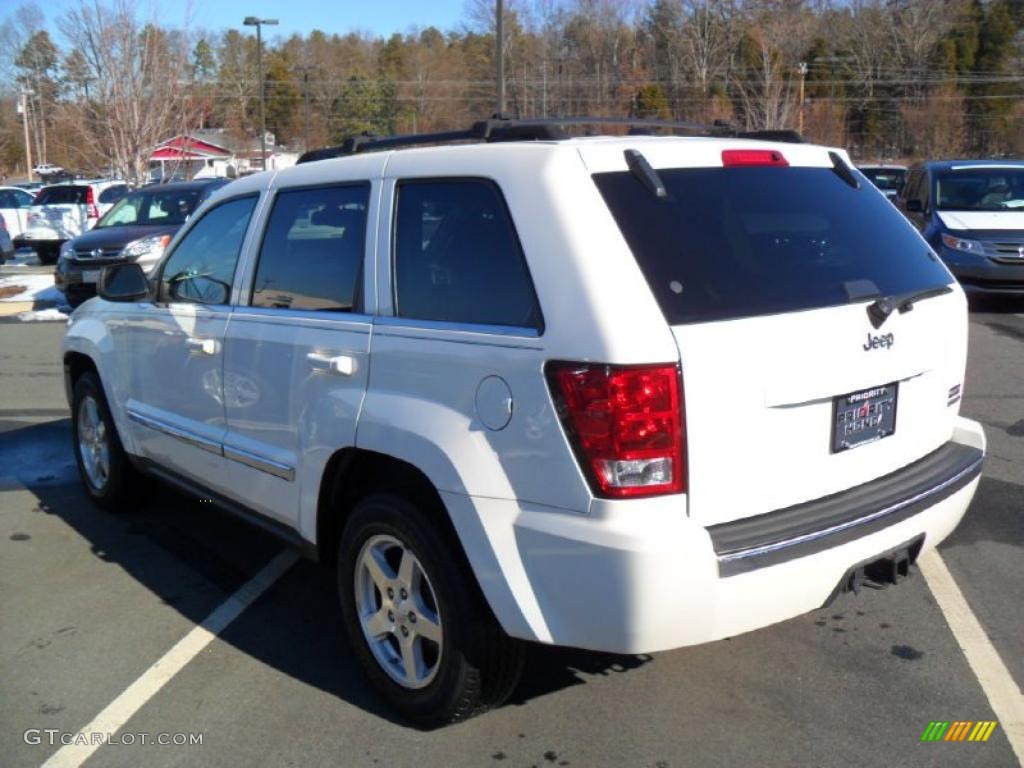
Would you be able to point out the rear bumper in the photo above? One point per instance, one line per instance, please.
(639, 576)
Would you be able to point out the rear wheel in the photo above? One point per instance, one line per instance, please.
(425, 638)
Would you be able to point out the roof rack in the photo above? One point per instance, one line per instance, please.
(500, 129)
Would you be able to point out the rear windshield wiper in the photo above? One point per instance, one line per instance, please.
(880, 309)
(645, 173)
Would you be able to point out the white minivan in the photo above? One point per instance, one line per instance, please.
(618, 393)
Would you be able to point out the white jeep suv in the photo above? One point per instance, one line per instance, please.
(618, 393)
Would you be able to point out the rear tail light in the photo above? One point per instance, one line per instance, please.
(3, 224)
(732, 158)
(90, 201)
(625, 424)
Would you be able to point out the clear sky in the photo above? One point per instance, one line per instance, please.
(381, 17)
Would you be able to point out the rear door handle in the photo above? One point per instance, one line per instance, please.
(205, 346)
(339, 365)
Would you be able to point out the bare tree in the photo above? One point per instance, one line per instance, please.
(777, 34)
(138, 73)
(707, 39)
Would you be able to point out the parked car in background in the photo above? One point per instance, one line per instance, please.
(59, 213)
(888, 178)
(111, 195)
(14, 207)
(972, 213)
(47, 169)
(6, 244)
(136, 228)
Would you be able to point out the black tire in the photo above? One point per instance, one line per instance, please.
(479, 666)
(118, 490)
(48, 254)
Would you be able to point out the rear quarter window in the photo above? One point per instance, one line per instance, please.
(457, 256)
(741, 242)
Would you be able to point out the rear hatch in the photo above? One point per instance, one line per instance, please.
(61, 210)
(765, 271)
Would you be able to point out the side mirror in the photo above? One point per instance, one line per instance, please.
(123, 282)
(914, 206)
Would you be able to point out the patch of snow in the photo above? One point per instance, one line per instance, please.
(24, 258)
(42, 315)
(38, 288)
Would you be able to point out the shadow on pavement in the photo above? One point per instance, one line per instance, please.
(981, 303)
(296, 628)
(994, 516)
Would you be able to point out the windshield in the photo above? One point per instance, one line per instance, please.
(152, 208)
(886, 178)
(980, 189)
(741, 242)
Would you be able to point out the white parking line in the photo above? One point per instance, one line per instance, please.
(120, 710)
(999, 686)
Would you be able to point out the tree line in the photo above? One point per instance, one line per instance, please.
(885, 78)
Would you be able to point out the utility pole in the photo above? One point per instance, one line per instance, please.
(802, 69)
(305, 99)
(499, 35)
(544, 93)
(252, 21)
(24, 121)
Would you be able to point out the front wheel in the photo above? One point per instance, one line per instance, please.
(103, 465)
(425, 638)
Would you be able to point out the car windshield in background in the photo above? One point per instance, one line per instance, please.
(62, 196)
(156, 208)
(740, 242)
(886, 178)
(980, 189)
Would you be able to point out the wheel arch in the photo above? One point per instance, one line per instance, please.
(352, 473)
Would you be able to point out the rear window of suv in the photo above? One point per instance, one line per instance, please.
(741, 242)
(61, 196)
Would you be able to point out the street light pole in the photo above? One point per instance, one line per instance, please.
(253, 21)
(802, 69)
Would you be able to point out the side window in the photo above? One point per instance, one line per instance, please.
(925, 191)
(913, 191)
(313, 249)
(457, 257)
(202, 266)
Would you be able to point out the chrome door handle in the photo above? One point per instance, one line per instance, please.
(205, 346)
(340, 365)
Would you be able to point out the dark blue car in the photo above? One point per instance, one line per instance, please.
(972, 214)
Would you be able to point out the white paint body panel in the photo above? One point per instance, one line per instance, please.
(556, 564)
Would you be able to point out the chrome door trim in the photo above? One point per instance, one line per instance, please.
(253, 461)
(202, 443)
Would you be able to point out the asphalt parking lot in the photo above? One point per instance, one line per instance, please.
(89, 602)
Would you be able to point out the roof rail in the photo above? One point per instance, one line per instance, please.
(500, 129)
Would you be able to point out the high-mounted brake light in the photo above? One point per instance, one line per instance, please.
(90, 201)
(733, 158)
(625, 424)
